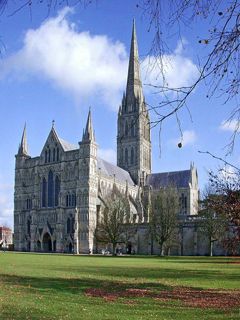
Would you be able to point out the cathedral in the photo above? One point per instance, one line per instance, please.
(58, 194)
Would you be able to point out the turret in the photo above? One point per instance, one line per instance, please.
(87, 187)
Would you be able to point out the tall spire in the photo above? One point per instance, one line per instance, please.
(133, 131)
(88, 134)
(134, 85)
(23, 147)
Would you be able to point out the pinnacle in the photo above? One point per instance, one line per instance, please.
(134, 85)
(88, 135)
(23, 147)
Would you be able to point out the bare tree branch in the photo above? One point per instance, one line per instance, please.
(220, 71)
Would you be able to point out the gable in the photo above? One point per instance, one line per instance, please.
(54, 147)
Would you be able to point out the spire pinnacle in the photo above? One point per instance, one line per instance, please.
(134, 85)
(23, 147)
(88, 134)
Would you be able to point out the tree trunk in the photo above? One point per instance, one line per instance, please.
(211, 248)
(151, 244)
(114, 249)
(161, 249)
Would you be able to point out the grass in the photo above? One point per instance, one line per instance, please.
(41, 286)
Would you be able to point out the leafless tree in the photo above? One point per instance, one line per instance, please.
(219, 69)
(213, 224)
(163, 216)
(12, 7)
(226, 204)
(113, 219)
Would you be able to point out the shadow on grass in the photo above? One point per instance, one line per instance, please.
(76, 280)
(74, 285)
(174, 259)
(61, 291)
(153, 273)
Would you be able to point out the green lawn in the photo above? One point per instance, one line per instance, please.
(39, 286)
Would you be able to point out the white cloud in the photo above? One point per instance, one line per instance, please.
(6, 204)
(189, 137)
(230, 125)
(78, 62)
(86, 65)
(178, 70)
(108, 155)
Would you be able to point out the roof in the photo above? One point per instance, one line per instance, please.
(179, 179)
(66, 145)
(109, 169)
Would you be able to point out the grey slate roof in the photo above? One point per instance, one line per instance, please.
(109, 169)
(66, 145)
(179, 179)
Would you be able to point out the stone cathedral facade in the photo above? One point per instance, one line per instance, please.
(58, 195)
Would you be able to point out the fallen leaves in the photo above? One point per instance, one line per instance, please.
(189, 297)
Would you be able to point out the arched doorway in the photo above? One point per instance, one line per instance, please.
(47, 243)
(70, 247)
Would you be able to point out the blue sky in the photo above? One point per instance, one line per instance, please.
(56, 66)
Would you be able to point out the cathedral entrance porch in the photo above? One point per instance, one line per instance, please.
(47, 243)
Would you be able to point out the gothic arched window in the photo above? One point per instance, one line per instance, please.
(121, 155)
(57, 154)
(49, 155)
(44, 192)
(57, 190)
(126, 128)
(50, 189)
(126, 156)
(72, 225)
(46, 156)
(132, 128)
(74, 200)
(132, 156)
(54, 153)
